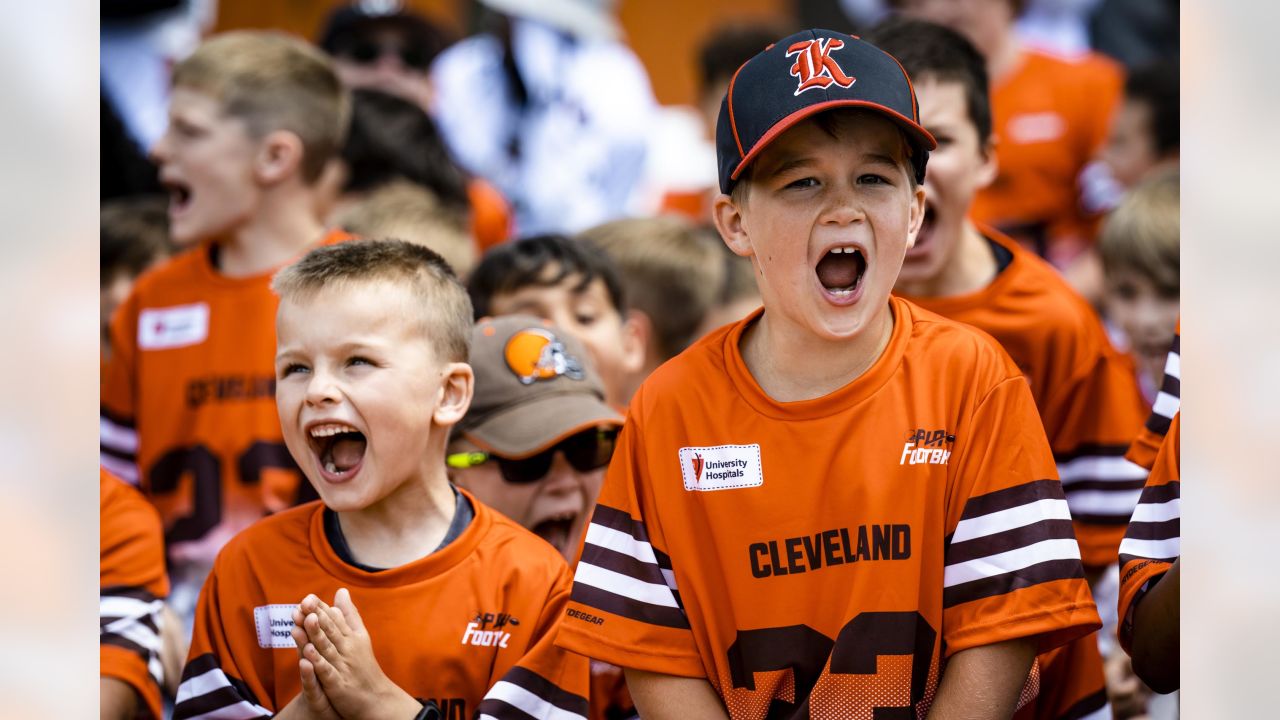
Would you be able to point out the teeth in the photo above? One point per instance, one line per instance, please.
(330, 467)
(842, 293)
(331, 429)
(844, 250)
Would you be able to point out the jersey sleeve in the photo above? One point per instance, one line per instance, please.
(1152, 541)
(117, 428)
(625, 606)
(1012, 567)
(214, 684)
(548, 681)
(1145, 447)
(1091, 421)
(132, 588)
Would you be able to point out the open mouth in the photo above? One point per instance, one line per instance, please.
(179, 196)
(841, 271)
(339, 448)
(557, 530)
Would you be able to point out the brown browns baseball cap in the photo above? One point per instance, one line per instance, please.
(534, 387)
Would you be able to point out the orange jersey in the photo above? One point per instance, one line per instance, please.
(189, 411)
(1152, 541)
(1168, 400)
(1050, 116)
(473, 620)
(1086, 391)
(824, 557)
(131, 589)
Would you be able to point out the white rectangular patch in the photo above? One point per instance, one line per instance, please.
(723, 467)
(173, 327)
(274, 623)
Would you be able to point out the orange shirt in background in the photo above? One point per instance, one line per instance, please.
(490, 215)
(131, 590)
(1050, 116)
(189, 410)
(1153, 539)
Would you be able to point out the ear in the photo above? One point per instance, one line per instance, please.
(637, 338)
(915, 214)
(990, 166)
(456, 389)
(644, 331)
(279, 157)
(729, 221)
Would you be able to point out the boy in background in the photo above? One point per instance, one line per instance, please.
(372, 374)
(574, 286)
(135, 236)
(535, 445)
(671, 273)
(1140, 257)
(810, 510)
(538, 436)
(1084, 391)
(1050, 117)
(1145, 133)
(132, 586)
(407, 211)
(187, 410)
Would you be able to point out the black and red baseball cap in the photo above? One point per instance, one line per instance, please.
(805, 74)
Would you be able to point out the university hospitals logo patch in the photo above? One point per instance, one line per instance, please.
(723, 467)
(173, 327)
(814, 67)
(273, 623)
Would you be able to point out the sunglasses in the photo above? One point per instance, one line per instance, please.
(586, 451)
(367, 52)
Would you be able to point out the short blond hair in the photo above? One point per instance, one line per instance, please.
(273, 81)
(447, 308)
(411, 212)
(670, 269)
(1142, 234)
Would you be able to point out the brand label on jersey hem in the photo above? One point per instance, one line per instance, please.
(721, 467)
(273, 623)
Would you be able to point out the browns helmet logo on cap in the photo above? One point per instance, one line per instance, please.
(534, 354)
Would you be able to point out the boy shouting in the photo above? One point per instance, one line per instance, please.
(841, 504)
(437, 599)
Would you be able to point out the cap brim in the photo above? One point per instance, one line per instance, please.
(530, 428)
(909, 126)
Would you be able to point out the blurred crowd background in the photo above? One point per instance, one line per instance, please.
(629, 92)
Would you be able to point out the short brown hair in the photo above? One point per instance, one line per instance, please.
(670, 269)
(134, 235)
(411, 212)
(1143, 233)
(273, 81)
(447, 321)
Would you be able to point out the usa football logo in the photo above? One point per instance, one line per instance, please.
(814, 67)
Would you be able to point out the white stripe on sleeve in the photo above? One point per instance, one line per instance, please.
(1010, 518)
(1010, 561)
(618, 541)
(122, 469)
(1104, 502)
(1157, 512)
(1099, 467)
(1166, 405)
(1173, 365)
(1150, 548)
(117, 437)
(210, 681)
(528, 702)
(624, 585)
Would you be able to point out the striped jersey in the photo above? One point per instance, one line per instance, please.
(469, 626)
(1152, 542)
(131, 590)
(1168, 399)
(822, 558)
(1086, 391)
(189, 410)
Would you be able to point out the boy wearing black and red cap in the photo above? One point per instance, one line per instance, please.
(842, 505)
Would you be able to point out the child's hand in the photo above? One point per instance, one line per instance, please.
(341, 655)
(312, 703)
